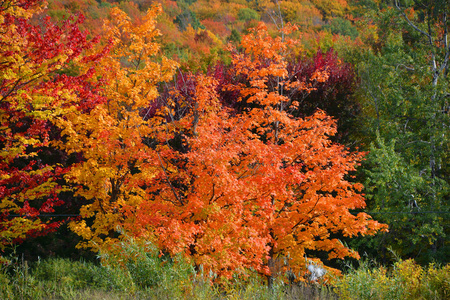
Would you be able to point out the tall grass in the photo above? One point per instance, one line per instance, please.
(136, 271)
(405, 280)
(55, 279)
(139, 271)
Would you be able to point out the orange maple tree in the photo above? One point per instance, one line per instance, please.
(303, 214)
(241, 189)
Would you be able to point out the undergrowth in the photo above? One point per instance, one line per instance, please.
(404, 280)
(139, 271)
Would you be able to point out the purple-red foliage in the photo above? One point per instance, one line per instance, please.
(334, 96)
(177, 94)
(225, 76)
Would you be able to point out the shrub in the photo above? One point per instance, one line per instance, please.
(247, 14)
(407, 280)
(342, 27)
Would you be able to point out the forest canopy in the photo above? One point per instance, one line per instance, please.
(240, 138)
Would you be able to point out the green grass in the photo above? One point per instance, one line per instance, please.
(65, 279)
(138, 271)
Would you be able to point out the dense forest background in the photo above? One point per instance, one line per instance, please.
(204, 68)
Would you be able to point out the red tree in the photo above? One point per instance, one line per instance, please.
(34, 91)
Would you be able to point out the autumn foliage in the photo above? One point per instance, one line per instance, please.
(237, 190)
(33, 93)
(231, 188)
(117, 164)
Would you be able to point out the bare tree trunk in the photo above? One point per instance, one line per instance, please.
(270, 263)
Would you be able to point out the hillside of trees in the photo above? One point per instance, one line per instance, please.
(242, 135)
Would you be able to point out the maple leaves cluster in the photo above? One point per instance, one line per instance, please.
(32, 95)
(233, 187)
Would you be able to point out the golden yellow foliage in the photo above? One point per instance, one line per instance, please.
(111, 136)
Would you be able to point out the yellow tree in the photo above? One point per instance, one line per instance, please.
(116, 161)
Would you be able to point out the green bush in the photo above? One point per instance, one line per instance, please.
(342, 27)
(247, 14)
(234, 37)
(188, 17)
